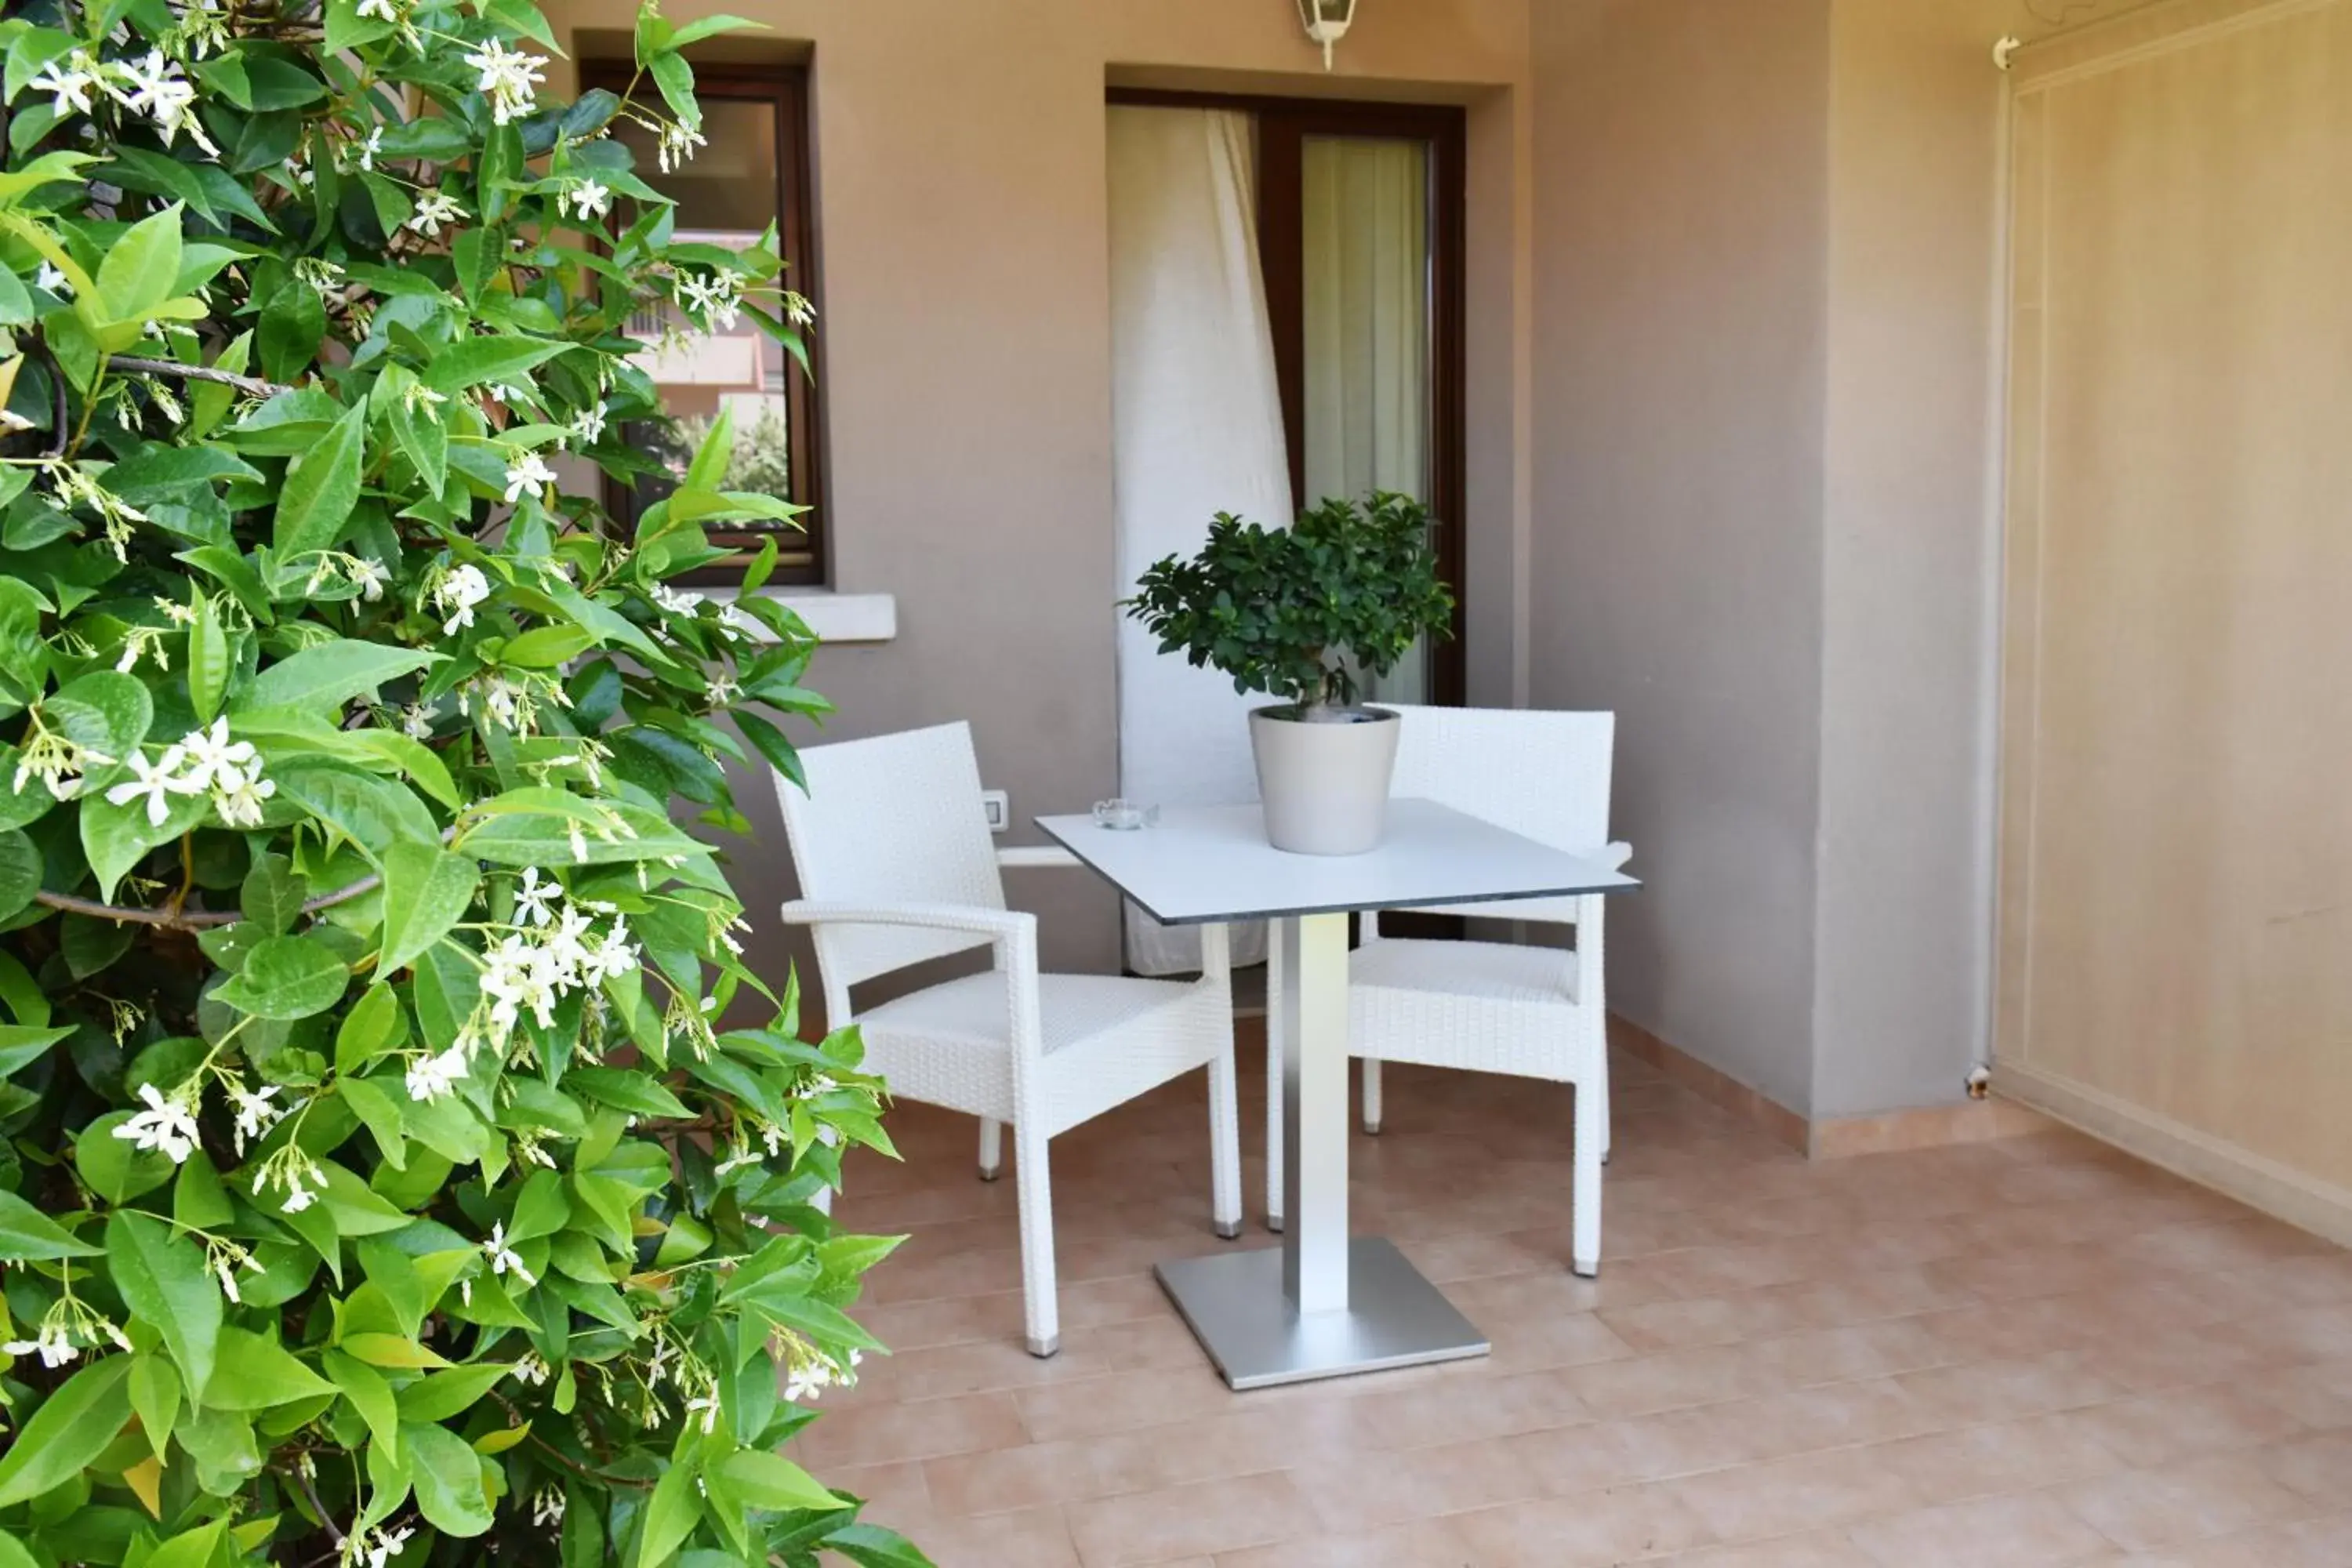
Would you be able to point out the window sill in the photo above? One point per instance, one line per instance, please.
(833, 617)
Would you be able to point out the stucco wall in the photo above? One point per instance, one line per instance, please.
(1681, 240)
(960, 183)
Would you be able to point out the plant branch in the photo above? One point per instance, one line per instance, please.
(172, 918)
(311, 1494)
(251, 386)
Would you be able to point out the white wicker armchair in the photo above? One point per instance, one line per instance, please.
(892, 849)
(1531, 1011)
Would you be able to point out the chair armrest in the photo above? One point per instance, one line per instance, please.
(1021, 857)
(973, 918)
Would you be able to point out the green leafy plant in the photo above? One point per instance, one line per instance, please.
(379, 1181)
(1297, 613)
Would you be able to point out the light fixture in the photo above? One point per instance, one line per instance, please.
(1326, 22)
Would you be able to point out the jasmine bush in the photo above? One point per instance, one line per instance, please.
(378, 1185)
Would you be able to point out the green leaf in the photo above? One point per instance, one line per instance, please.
(703, 27)
(670, 1516)
(329, 674)
(104, 712)
(447, 1475)
(197, 1196)
(157, 472)
(24, 1043)
(544, 647)
(27, 1233)
(381, 1115)
(254, 1372)
(155, 1396)
(637, 1093)
(293, 318)
(322, 485)
(442, 1394)
(373, 1025)
(73, 1428)
(772, 1481)
(207, 658)
(272, 895)
(14, 1555)
(20, 871)
(542, 1209)
(478, 362)
(285, 977)
(190, 1549)
(141, 267)
(115, 838)
(370, 1395)
(373, 812)
(165, 1282)
(871, 1546)
(427, 890)
(115, 1168)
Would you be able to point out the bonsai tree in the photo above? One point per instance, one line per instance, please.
(1297, 613)
(379, 1181)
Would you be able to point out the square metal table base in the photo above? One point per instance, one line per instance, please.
(1234, 1304)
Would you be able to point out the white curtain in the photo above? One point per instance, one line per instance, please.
(1365, 248)
(1197, 424)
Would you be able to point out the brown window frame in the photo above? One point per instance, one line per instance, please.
(786, 87)
(1284, 124)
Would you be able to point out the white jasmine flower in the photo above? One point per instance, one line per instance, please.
(707, 1407)
(157, 780)
(178, 614)
(501, 392)
(53, 1345)
(529, 473)
(510, 78)
(588, 426)
(675, 601)
(677, 146)
(530, 1370)
(434, 208)
(716, 296)
(459, 591)
(254, 1116)
(798, 310)
(586, 199)
(68, 85)
(535, 899)
(807, 1381)
(503, 1258)
(613, 956)
(547, 1507)
(168, 1125)
(369, 576)
(163, 93)
(431, 1076)
(50, 277)
(376, 1548)
(417, 722)
(242, 802)
(370, 147)
(214, 761)
(518, 976)
(378, 10)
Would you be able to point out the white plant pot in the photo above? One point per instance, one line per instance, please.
(1324, 783)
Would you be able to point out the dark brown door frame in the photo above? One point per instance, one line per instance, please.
(1284, 124)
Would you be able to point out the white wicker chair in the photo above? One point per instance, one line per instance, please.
(1531, 1011)
(892, 847)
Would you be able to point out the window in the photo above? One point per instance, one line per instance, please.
(754, 172)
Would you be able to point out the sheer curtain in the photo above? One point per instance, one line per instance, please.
(1367, 327)
(1197, 429)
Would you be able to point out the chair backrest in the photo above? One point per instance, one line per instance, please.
(1542, 775)
(897, 819)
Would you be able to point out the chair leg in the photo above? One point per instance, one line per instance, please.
(1372, 1095)
(1601, 1079)
(1274, 1110)
(1043, 1306)
(1225, 1146)
(991, 1149)
(1584, 1215)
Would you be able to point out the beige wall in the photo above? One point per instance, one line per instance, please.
(961, 177)
(1765, 244)
(1681, 211)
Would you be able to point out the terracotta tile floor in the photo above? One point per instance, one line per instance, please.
(2004, 1355)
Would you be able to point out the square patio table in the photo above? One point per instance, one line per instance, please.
(1324, 1303)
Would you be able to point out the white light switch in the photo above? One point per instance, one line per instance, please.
(999, 806)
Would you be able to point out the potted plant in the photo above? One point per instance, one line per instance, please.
(380, 1183)
(1302, 614)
